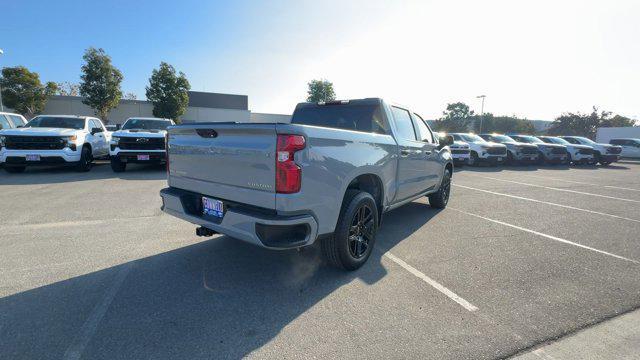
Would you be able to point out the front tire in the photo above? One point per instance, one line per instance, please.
(117, 165)
(440, 198)
(352, 243)
(473, 159)
(86, 160)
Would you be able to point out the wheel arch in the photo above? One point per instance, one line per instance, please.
(372, 184)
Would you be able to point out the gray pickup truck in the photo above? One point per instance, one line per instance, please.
(328, 176)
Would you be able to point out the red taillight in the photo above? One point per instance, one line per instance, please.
(288, 173)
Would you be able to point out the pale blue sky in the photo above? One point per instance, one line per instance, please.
(531, 58)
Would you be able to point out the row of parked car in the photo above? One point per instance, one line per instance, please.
(515, 149)
(75, 141)
(78, 140)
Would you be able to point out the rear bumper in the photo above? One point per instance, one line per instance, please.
(259, 227)
(47, 157)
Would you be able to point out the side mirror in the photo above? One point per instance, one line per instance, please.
(19, 126)
(95, 131)
(118, 126)
(446, 141)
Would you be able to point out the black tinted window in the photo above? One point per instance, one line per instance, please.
(404, 124)
(366, 118)
(56, 122)
(145, 124)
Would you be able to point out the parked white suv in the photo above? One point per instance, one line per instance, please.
(630, 147)
(482, 150)
(459, 150)
(577, 154)
(140, 140)
(605, 153)
(54, 140)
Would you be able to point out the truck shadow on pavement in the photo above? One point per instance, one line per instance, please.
(100, 170)
(219, 298)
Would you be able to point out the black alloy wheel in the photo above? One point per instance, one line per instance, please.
(361, 232)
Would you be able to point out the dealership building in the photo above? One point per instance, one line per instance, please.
(203, 106)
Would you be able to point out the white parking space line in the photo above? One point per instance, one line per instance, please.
(548, 203)
(58, 224)
(551, 237)
(90, 326)
(436, 285)
(583, 183)
(558, 189)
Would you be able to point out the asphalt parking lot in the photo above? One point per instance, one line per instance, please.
(90, 268)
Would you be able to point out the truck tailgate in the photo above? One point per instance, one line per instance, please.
(233, 162)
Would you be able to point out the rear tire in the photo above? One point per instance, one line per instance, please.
(86, 160)
(440, 198)
(352, 243)
(15, 169)
(117, 165)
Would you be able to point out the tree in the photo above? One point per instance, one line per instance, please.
(320, 90)
(503, 124)
(456, 118)
(586, 124)
(101, 80)
(23, 91)
(168, 92)
(66, 88)
(618, 121)
(130, 96)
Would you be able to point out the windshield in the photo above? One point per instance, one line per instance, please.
(146, 124)
(502, 139)
(56, 122)
(468, 137)
(528, 139)
(358, 117)
(584, 140)
(556, 140)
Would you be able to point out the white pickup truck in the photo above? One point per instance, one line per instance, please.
(54, 140)
(141, 140)
(482, 150)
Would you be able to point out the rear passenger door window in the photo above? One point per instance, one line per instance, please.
(4, 123)
(403, 124)
(423, 130)
(17, 120)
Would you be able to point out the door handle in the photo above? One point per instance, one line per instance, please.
(427, 152)
(405, 152)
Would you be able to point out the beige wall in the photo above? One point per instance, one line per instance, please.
(131, 108)
(269, 118)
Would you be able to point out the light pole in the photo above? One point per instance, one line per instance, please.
(481, 110)
(1, 106)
